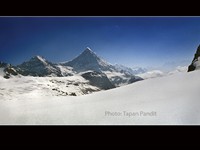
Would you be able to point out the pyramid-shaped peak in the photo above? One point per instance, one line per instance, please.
(39, 58)
(88, 50)
(88, 60)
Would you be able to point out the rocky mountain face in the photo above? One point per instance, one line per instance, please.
(38, 66)
(98, 79)
(117, 74)
(7, 70)
(196, 61)
(88, 60)
(121, 79)
(139, 70)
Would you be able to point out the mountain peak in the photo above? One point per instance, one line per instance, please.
(38, 66)
(88, 60)
(88, 50)
(88, 53)
(40, 58)
(37, 57)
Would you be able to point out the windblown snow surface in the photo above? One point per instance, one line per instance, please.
(171, 99)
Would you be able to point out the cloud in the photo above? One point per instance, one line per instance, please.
(178, 70)
(151, 74)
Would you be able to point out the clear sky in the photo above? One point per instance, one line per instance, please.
(131, 41)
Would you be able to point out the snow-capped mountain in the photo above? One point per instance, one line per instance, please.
(88, 60)
(38, 66)
(65, 70)
(138, 70)
(72, 84)
(196, 61)
(120, 78)
(95, 73)
(130, 71)
(124, 69)
(7, 70)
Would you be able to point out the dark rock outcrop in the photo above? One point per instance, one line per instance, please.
(98, 79)
(127, 79)
(134, 79)
(193, 66)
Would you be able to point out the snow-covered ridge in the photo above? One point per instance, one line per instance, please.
(38, 66)
(128, 70)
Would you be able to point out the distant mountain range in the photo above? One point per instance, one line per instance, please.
(88, 64)
(84, 74)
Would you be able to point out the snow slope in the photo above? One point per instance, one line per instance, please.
(170, 100)
(2, 72)
(15, 88)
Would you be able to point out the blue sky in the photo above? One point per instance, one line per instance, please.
(131, 41)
